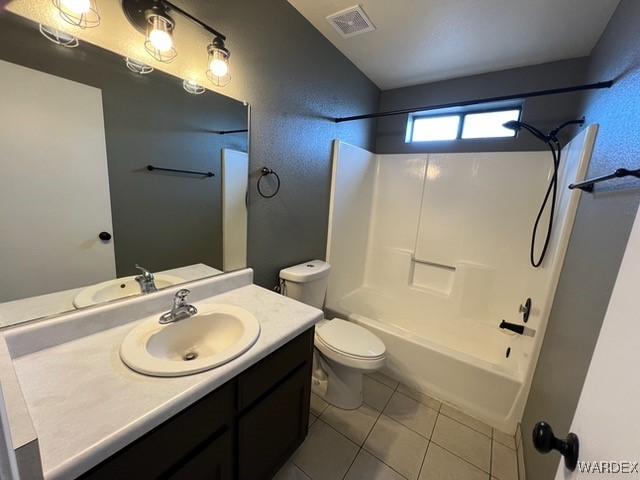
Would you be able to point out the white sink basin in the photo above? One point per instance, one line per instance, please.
(119, 288)
(215, 335)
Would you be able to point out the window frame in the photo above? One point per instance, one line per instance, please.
(461, 114)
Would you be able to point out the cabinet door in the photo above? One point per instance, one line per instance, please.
(270, 432)
(213, 462)
(169, 445)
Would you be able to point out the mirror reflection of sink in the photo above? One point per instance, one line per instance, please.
(119, 288)
(214, 336)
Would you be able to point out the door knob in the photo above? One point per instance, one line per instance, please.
(544, 440)
(104, 236)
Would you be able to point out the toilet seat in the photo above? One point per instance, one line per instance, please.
(349, 344)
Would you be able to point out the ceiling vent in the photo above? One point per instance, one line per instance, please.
(351, 22)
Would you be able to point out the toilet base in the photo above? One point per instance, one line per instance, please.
(341, 386)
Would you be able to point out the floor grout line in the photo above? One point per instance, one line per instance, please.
(424, 458)
(337, 431)
(369, 432)
(409, 428)
(351, 464)
(380, 412)
(301, 469)
(462, 423)
(491, 455)
(462, 458)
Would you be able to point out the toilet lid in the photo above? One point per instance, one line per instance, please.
(350, 339)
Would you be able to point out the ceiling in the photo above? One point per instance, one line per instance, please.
(421, 41)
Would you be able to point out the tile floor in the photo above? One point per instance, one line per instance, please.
(399, 434)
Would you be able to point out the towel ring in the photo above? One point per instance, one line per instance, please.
(266, 171)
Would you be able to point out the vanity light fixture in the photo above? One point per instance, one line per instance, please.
(79, 13)
(152, 18)
(193, 87)
(138, 67)
(159, 41)
(218, 71)
(58, 37)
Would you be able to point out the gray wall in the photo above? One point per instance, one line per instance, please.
(601, 230)
(545, 112)
(160, 220)
(294, 79)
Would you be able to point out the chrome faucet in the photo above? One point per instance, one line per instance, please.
(146, 280)
(180, 309)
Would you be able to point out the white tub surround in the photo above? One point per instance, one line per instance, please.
(85, 404)
(431, 252)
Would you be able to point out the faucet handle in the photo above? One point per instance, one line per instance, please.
(183, 293)
(181, 296)
(145, 273)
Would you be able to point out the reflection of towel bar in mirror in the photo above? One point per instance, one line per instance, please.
(227, 132)
(151, 168)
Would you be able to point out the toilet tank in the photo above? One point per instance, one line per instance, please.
(306, 282)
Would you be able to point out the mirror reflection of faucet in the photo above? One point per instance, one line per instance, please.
(146, 280)
(519, 329)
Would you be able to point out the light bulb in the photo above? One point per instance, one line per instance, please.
(161, 40)
(77, 6)
(160, 33)
(219, 67)
(218, 70)
(79, 13)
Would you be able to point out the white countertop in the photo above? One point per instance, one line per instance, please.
(85, 404)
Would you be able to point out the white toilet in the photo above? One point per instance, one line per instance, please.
(344, 351)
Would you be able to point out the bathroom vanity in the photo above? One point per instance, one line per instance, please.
(247, 428)
(76, 410)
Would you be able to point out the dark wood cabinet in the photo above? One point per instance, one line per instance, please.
(245, 430)
(271, 431)
(212, 462)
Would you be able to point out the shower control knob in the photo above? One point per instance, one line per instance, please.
(104, 236)
(525, 310)
(544, 440)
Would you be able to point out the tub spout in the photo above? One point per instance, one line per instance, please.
(519, 329)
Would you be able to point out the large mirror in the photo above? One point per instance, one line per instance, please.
(115, 180)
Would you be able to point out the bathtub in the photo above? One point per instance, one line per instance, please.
(466, 367)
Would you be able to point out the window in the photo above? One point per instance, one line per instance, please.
(461, 125)
(427, 129)
(489, 124)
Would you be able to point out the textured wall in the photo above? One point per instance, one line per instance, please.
(294, 79)
(545, 112)
(602, 227)
(160, 220)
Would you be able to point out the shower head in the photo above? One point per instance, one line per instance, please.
(553, 134)
(512, 125)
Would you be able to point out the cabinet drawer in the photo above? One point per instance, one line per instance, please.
(256, 381)
(172, 442)
(270, 431)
